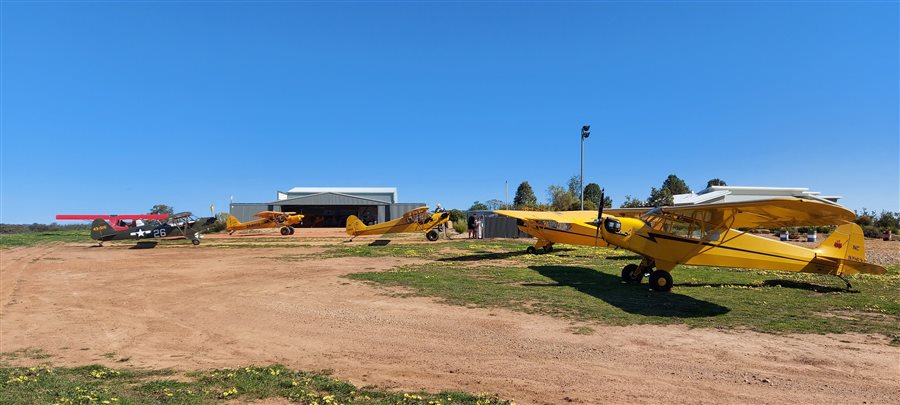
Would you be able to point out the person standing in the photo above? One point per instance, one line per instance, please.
(446, 225)
(479, 227)
(472, 226)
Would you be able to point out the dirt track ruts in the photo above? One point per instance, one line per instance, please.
(233, 307)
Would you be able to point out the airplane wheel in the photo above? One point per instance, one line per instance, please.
(195, 241)
(285, 231)
(661, 280)
(531, 250)
(548, 248)
(292, 229)
(432, 235)
(631, 275)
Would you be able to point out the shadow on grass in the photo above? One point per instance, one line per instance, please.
(494, 255)
(799, 285)
(635, 299)
(625, 257)
(380, 242)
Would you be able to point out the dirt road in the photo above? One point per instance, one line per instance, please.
(192, 308)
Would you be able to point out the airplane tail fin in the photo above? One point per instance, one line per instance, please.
(100, 229)
(231, 222)
(847, 245)
(354, 225)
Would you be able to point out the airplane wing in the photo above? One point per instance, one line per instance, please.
(776, 212)
(272, 214)
(417, 211)
(558, 216)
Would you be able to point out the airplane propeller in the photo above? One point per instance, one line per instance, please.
(599, 216)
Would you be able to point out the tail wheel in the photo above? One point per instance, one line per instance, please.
(548, 248)
(632, 274)
(661, 280)
(432, 235)
(195, 241)
(285, 231)
(292, 229)
(531, 250)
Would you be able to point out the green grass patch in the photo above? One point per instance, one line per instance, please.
(9, 240)
(97, 384)
(583, 284)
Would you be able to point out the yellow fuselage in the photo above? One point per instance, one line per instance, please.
(263, 223)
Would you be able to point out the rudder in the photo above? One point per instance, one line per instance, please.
(232, 222)
(101, 229)
(354, 226)
(848, 245)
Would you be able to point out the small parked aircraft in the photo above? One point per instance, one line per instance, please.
(707, 235)
(121, 221)
(268, 219)
(178, 225)
(417, 220)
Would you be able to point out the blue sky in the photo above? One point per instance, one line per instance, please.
(112, 107)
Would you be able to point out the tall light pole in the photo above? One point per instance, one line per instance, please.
(585, 133)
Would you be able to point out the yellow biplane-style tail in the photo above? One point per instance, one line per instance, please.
(354, 225)
(232, 222)
(847, 245)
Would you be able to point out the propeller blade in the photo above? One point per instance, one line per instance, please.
(599, 216)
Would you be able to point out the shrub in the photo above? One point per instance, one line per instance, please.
(460, 225)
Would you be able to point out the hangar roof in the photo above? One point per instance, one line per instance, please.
(387, 193)
(328, 199)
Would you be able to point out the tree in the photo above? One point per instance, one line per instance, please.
(664, 195)
(631, 202)
(575, 186)
(660, 197)
(588, 206)
(478, 206)
(494, 204)
(561, 199)
(161, 209)
(715, 182)
(888, 221)
(592, 192)
(675, 185)
(524, 196)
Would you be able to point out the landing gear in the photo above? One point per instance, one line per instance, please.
(661, 280)
(849, 287)
(292, 229)
(548, 248)
(285, 231)
(195, 241)
(432, 235)
(632, 274)
(531, 250)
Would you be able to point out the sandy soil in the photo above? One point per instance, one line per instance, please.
(192, 308)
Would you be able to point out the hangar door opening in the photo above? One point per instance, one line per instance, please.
(333, 216)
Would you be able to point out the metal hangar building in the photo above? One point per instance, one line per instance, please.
(330, 206)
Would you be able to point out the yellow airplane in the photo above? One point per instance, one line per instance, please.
(417, 220)
(268, 219)
(707, 235)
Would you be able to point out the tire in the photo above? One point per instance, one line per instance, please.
(631, 275)
(531, 250)
(285, 231)
(292, 229)
(195, 241)
(432, 235)
(661, 281)
(548, 248)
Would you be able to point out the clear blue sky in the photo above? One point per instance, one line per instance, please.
(112, 107)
